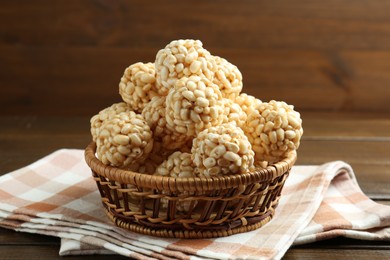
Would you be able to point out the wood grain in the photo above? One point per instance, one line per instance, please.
(66, 57)
(46, 252)
(12, 238)
(334, 253)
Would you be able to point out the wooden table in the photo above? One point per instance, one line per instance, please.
(361, 140)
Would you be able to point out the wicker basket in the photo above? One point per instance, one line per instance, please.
(215, 207)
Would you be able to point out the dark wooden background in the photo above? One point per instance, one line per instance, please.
(65, 57)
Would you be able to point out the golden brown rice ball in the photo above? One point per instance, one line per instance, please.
(106, 114)
(274, 129)
(123, 140)
(182, 58)
(137, 86)
(222, 149)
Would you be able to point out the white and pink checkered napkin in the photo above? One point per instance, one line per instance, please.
(57, 196)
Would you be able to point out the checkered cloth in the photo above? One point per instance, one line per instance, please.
(57, 196)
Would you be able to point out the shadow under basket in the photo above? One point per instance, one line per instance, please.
(189, 207)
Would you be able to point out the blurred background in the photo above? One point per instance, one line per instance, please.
(66, 57)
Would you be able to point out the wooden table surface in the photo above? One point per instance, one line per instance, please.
(361, 140)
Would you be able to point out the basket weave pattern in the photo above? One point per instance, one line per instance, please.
(215, 207)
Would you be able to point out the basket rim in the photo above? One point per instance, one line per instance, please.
(186, 184)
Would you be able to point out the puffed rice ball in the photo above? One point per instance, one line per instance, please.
(193, 105)
(233, 113)
(105, 114)
(273, 129)
(182, 58)
(246, 102)
(154, 114)
(222, 149)
(123, 140)
(177, 165)
(137, 86)
(228, 78)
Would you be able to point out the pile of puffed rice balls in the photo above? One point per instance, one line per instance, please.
(185, 116)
